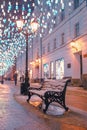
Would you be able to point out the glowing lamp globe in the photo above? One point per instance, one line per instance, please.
(34, 25)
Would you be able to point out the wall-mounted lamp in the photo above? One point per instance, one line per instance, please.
(37, 61)
(76, 46)
(73, 45)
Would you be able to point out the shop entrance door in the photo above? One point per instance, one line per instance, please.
(81, 70)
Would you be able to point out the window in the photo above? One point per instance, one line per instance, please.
(54, 44)
(59, 68)
(80, 1)
(76, 4)
(54, 22)
(48, 49)
(48, 27)
(37, 52)
(43, 50)
(62, 38)
(77, 29)
(62, 14)
(46, 70)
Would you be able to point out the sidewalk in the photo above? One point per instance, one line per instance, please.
(36, 119)
(76, 99)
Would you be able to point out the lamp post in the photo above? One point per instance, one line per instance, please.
(2, 78)
(34, 26)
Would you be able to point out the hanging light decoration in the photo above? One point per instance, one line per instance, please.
(12, 42)
(49, 11)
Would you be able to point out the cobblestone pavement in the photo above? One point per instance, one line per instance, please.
(17, 114)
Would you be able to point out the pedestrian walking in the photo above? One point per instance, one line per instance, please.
(15, 78)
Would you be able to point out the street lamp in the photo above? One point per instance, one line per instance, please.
(2, 77)
(34, 26)
(2, 81)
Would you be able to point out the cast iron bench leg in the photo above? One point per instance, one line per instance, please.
(66, 108)
(47, 103)
(29, 96)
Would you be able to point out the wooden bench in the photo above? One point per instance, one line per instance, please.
(51, 91)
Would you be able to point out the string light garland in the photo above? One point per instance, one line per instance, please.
(11, 41)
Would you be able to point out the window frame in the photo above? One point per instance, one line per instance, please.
(77, 30)
(43, 50)
(62, 38)
(54, 44)
(48, 47)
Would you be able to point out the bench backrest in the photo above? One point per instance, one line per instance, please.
(59, 84)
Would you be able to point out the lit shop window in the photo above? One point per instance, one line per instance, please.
(46, 70)
(52, 70)
(60, 68)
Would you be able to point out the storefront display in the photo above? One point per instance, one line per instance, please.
(60, 68)
(46, 70)
(52, 70)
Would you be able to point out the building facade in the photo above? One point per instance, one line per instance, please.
(63, 51)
